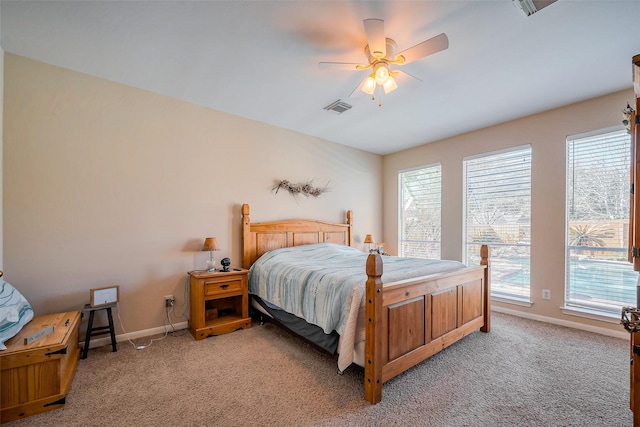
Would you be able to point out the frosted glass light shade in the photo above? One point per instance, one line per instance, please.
(369, 85)
(390, 85)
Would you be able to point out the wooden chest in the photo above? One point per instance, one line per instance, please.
(36, 377)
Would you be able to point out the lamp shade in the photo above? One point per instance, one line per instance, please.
(210, 244)
(368, 239)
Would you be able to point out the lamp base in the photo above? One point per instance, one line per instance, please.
(211, 266)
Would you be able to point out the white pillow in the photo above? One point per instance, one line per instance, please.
(15, 312)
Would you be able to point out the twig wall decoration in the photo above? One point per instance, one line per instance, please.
(306, 188)
(627, 113)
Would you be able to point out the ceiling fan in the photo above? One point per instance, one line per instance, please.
(381, 53)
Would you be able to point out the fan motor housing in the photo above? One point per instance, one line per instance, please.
(391, 47)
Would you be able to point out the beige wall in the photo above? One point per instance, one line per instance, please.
(107, 184)
(546, 132)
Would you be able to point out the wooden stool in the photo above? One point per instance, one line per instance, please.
(100, 330)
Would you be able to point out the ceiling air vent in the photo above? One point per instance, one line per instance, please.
(529, 7)
(338, 107)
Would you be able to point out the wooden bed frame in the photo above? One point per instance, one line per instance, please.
(407, 321)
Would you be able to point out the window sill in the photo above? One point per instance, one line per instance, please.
(591, 314)
(510, 300)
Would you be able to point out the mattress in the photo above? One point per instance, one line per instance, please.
(324, 285)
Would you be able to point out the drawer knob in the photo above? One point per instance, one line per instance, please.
(225, 286)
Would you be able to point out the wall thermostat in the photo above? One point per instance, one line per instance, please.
(104, 296)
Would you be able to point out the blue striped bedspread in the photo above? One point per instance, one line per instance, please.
(317, 282)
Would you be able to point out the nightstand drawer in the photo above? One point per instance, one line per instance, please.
(217, 286)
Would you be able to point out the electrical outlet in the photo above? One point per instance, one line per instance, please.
(169, 301)
(546, 294)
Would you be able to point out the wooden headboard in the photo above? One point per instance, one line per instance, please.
(261, 237)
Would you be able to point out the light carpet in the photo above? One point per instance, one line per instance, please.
(523, 373)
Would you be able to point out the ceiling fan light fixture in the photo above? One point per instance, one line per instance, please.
(369, 85)
(390, 85)
(381, 52)
(381, 73)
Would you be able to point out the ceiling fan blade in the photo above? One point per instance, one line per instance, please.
(406, 80)
(426, 48)
(357, 92)
(337, 66)
(374, 29)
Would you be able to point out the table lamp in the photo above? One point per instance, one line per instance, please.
(369, 239)
(210, 244)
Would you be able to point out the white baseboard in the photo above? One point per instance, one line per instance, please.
(575, 325)
(99, 342)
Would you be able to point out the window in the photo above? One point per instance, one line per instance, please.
(420, 208)
(498, 213)
(599, 276)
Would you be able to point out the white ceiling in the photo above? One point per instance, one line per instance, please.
(258, 59)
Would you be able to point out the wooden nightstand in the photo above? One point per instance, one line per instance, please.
(219, 302)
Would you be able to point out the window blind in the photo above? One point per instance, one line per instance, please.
(498, 213)
(420, 212)
(598, 275)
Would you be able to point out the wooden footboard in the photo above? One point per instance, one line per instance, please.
(411, 320)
